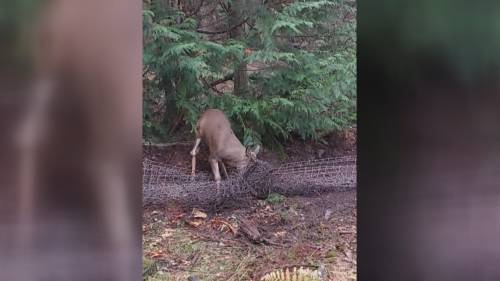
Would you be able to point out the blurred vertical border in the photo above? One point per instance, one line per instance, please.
(70, 145)
(429, 140)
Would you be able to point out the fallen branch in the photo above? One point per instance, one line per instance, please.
(252, 233)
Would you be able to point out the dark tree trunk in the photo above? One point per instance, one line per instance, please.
(236, 18)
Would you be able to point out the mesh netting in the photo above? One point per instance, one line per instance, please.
(164, 184)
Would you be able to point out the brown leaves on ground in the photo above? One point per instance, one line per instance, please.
(156, 254)
(197, 214)
(224, 226)
(197, 218)
(304, 230)
(299, 231)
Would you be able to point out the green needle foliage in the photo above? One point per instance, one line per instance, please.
(303, 80)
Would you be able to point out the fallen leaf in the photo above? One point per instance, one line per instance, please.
(216, 223)
(280, 233)
(195, 223)
(231, 227)
(176, 218)
(197, 214)
(156, 254)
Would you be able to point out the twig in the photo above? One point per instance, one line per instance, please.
(195, 260)
(176, 123)
(223, 31)
(239, 267)
(226, 9)
(269, 242)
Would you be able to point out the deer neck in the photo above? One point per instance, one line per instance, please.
(238, 159)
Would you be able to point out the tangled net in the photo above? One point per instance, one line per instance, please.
(163, 184)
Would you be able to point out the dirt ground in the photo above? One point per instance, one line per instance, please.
(319, 230)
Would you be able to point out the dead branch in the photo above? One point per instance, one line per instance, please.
(225, 7)
(223, 31)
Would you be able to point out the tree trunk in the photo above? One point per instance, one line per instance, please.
(240, 74)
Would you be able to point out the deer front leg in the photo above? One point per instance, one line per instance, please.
(194, 151)
(224, 171)
(215, 170)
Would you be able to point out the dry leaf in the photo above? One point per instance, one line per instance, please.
(197, 214)
(280, 233)
(195, 223)
(215, 222)
(157, 254)
(231, 227)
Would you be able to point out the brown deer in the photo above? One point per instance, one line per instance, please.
(225, 148)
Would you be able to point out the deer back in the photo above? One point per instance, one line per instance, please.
(215, 129)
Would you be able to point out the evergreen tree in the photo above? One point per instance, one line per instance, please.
(292, 64)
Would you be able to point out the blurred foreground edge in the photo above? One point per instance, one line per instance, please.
(70, 108)
(429, 140)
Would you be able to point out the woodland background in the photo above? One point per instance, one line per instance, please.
(278, 69)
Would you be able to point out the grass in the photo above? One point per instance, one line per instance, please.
(275, 199)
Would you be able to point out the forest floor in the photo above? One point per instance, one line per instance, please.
(313, 230)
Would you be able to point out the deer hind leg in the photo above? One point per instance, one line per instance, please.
(194, 151)
(224, 171)
(214, 163)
